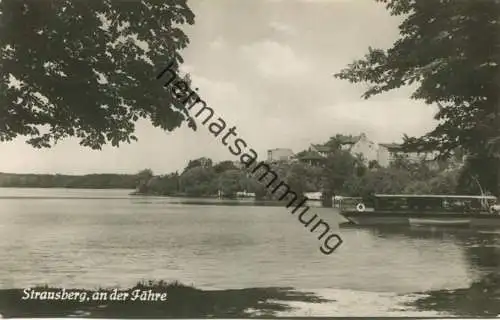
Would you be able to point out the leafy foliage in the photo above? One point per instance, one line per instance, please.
(451, 51)
(229, 182)
(403, 177)
(340, 166)
(200, 162)
(82, 72)
(341, 174)
(224, 166)
(144, 177)
(199, 181)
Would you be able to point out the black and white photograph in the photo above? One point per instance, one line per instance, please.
(249, 159)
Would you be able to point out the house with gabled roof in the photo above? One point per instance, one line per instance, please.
(388, 152)
(357, 145)
(362, 146)
(279, 155)
(322, 150)
(348, 142)
(311, 157)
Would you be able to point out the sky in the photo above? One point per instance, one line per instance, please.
(266, 67)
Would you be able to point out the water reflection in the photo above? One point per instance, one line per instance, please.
(74, 240)
(482, 253)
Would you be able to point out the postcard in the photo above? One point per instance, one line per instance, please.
(249, 159)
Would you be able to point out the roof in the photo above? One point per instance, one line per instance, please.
(349, 140)
(321, 148)
(433, 196)
(311, 155)
(281, 149)
(391, 145)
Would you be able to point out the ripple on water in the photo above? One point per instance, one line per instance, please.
(351, 303)
(93, 243)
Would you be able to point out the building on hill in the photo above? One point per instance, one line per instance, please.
(321, 150)
(364, 147)
(388, 152)
(383, 153)
(358, 145)
(279, 154)
(311, 157)
(346, 143)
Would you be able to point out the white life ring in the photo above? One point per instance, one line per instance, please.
(495, 209)
(360, 207)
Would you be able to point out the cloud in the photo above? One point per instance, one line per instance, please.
(275, 60)
(217, 44)
(282, 27)
(270, 75)
(234, 104)
(382, 120)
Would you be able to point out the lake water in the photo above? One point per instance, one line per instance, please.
(105, 238)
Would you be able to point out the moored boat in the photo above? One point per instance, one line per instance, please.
(424, 210)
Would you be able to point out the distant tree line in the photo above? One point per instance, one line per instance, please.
(91, 181)
(341, 173)
(447, 50)
(200, 178)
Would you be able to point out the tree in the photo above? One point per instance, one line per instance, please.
(419, 170)
(164, 185)
(383, 180)
(145, 174)
(81, 71)
(337, 141)
(200, 162)
(339, 166)
(199, 181)
(445, 183)
(450, 49)
(229, 183)
(224, 166)
(143, 178)
(373, 165)
(252, 185)
(296, 178)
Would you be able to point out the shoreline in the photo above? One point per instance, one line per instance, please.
(181, 301)
(182, 196)
(80, 187)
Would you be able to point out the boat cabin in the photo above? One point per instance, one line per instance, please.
(447, 203)
(346, 202)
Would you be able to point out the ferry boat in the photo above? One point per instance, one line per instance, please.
(423, 210)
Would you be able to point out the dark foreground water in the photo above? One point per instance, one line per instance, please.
(105, 238)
